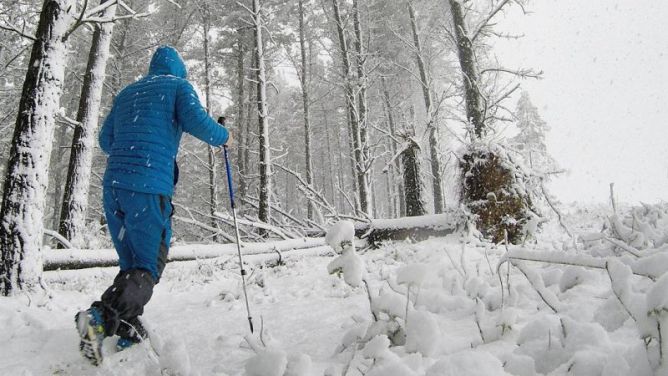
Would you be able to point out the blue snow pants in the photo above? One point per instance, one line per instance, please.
(140, 227)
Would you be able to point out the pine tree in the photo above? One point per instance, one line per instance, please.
(530, 141)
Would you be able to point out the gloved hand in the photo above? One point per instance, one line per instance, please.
(221, 121)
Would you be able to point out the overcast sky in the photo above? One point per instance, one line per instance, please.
(604, 92)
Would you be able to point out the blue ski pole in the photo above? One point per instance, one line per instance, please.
(221, 121)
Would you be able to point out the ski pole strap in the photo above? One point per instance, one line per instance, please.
(229, 176)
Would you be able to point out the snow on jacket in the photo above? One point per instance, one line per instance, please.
(143, 130)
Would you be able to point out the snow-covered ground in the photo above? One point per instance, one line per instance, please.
(549, 319)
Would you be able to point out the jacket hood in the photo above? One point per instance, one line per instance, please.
(166, 60)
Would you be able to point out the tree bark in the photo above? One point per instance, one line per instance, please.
(432, 122)
(26, 179)
(213, 173)
(474, 111)
(412, 184)
(366, 204)
(264, 210)
(250, 121)
(75, 200)
(359, 172)
(416, 229)
(241, 112)
(393, 147)
(330, 154)
(305, 99)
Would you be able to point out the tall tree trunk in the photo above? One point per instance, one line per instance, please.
(59, 161)
(351, 107)
(241, 112)
(305, 99)
(264, 206)
(23, 199)
(393, 147)
(391, 195)
(75, 200)
(432, 122)
(366, 204)
(121, 35)
(330, 164)
(341, 178)
(251, 117)
(474, 111)
(213, 175)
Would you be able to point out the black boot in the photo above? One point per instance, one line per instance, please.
(125, 299)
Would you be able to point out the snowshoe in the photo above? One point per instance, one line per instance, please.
(91, 331)
(131, 332)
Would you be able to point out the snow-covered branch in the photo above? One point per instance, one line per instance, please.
(521, 72)
(256, 224)
(652, 266)
(321, 200)
(197, 223)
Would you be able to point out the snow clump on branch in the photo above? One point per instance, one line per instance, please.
(340, 235)
(340, 238)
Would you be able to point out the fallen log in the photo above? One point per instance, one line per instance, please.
(69, 259)
(407, 228)
(377, 231)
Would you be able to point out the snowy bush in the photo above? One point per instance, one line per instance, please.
(341, 238)
(341, 235)
(385, 362)
(271, 360)
(350, 265)
(422, 333)
(573, 333)
(631, 252)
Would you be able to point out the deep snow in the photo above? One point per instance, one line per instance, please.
(459, 322)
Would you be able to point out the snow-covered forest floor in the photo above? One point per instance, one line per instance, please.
(459, 321)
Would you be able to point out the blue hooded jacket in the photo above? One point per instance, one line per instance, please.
(143, 130)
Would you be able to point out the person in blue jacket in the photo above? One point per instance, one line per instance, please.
(141, 137)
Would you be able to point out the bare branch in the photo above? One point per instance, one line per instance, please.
(322, 200)
(127, 7)
(78, 22)
(487, 19)
(117, 18)
(536, 282)
(17, 31)
(174, 3)
(98, 9)
(247, 9)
